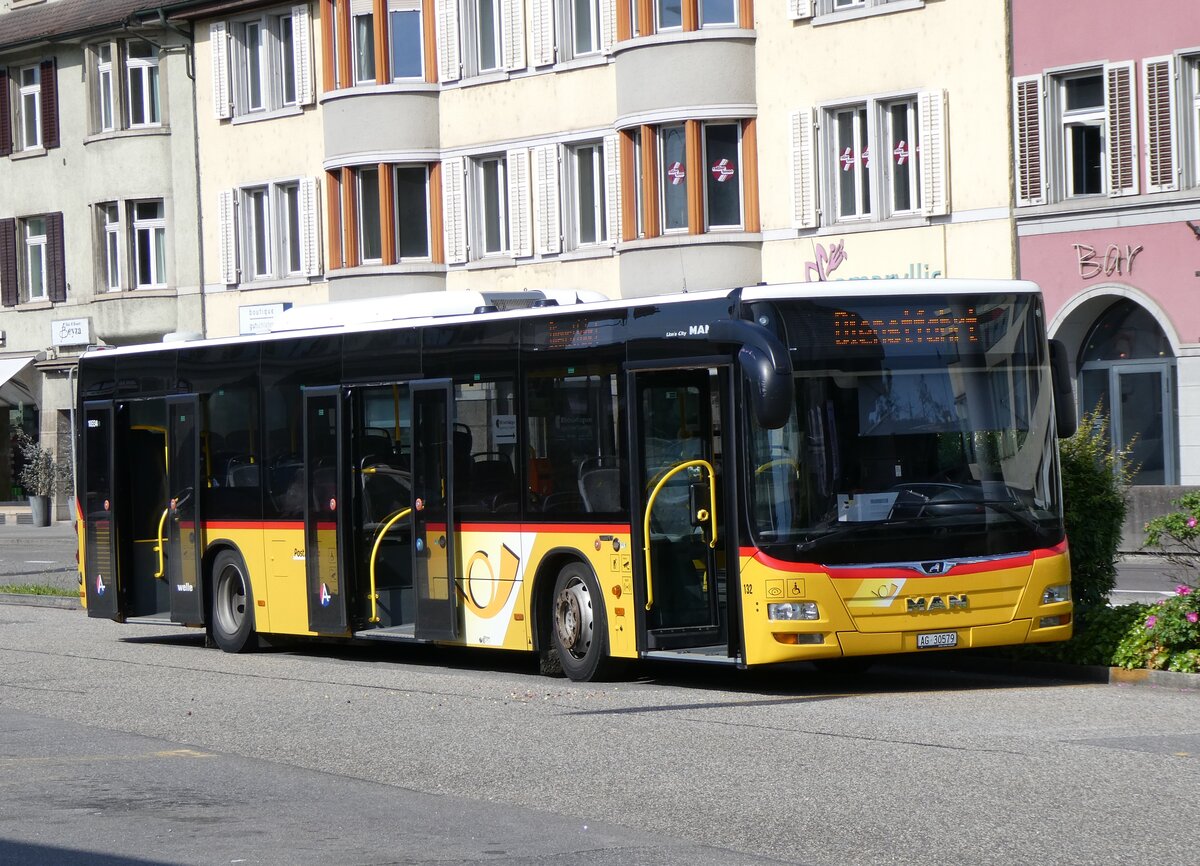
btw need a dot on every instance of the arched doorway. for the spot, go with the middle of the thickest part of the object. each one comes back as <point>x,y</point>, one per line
<point>1127,369</point>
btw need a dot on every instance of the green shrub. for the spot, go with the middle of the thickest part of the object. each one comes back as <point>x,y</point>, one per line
<point>1095,481</point>
<point>1167,637</point>
<point>1099,634</point>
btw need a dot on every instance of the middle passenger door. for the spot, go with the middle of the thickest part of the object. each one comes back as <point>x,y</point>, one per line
<point>433,510</point>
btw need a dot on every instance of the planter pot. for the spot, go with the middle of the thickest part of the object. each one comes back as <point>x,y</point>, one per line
<point>40,506</point>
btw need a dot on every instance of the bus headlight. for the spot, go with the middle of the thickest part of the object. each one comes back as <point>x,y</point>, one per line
<point>793,610</point>
<point>1055,594</point>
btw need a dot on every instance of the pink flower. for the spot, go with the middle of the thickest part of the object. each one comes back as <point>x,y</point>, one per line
<point>1151,621</point>
<point>1192,616</point>
<point>1191,523</point>
<point>1183,589</point>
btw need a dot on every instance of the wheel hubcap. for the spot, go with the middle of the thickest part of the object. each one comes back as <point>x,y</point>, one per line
<point>573,618</point>
<point>231,598</point>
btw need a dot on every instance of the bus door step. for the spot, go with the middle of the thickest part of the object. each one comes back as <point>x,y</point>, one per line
<point>713,655</point>
<point>396,632</point>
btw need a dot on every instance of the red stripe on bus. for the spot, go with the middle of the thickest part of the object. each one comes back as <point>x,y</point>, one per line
<point>868,572</point>
<point>556,528</point>
<point>211,525</point>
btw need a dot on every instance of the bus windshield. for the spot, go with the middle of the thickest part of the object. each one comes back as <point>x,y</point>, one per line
<point>923,428</point>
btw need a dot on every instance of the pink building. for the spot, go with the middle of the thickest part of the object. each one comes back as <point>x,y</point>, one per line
<point>1106,102</point>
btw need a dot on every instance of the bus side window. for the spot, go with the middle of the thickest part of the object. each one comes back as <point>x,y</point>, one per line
<point>485,446</point>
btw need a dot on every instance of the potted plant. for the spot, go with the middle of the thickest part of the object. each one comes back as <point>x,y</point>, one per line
<point>41,476</point>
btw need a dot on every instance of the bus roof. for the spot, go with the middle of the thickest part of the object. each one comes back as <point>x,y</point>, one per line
<point>434,308</point>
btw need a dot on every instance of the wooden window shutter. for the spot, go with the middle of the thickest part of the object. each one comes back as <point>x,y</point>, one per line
<point>219,39</point>
<point>449,56</point>
<point>8,262</point>
<point>6,137</point>
<point>1027,129</point>
<point>227,221</point>
<point>49,79</point>
<point>520,229</point>
<point>798,10</point>
<point>1122,129</point>
<point>548,218</point>
<point>512,29</point>
<point>310,227</point>
<point>56,265</point>
<point>541,32</point>
<point>454,202</point>
<point>614,206</point>
<point>1159,82</point>
<point>931,119</point>
<point>302,61</point>
<point>804,170</point>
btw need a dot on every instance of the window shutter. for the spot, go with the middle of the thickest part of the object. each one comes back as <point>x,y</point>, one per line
<point>449,59</point>
<point>520,230</point>
<point>56,265</point>
<point>548,218</point>
<point>612,187</point>
<point>931,119</point>
<point>800,9</point>
<point>608,25</point>
<point>310,227</point>
<point>227,218</point>
<point>804,170</point>
<point>1160,124</point>
<point>302,56</point>
<point>454,202</point>
<point>219,38</point>
<point>6,140</point>
<point>8,262</point>
<point>49,104</point>
<point>1122,129</point>
<point>541,32</point>
<point>1027,129</point>
<point>512,26</point>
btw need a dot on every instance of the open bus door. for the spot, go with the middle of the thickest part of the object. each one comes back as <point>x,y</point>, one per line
<point>323,514</point>
<point>100,501</point>
<point>183,545</point>
<point>684,527</point>
<point>433,511</point>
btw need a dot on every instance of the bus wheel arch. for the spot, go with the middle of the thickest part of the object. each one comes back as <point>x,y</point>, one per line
<point>573,621</point>
<point>230,599</point>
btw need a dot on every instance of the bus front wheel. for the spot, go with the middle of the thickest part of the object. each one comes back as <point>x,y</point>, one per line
<point>579,625</point>
<point>232,604</point>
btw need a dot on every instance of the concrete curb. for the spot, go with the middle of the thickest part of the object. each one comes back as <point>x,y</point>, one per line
<point>59,601</point>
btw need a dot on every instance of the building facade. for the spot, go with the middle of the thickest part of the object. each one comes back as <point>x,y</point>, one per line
<point>98,207</point>
<point>1106,121</point>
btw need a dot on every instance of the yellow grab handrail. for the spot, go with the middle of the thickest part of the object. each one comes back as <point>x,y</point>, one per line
<point>159,547</point>
<point>711,516</point>
<point>403,512</point>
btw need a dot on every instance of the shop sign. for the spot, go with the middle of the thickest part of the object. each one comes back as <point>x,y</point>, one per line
<point>826,261</point>
<point>71,332</point>
<point>1116,260</point>
<point>258,318</point>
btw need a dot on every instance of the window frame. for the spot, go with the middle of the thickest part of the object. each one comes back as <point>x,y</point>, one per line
<point>24,113</point>
<point>359,41</point>
<point>480,186</point>
<point>35,245</point>
<point>395,169</point>
<point>403,8</point>
<point>706,166</point>
<point>155,229</point>
<point>477,35</point>
<point>599,195</point>
<point>1066,122</point>
<point>106,104</point>
<point>571,28</point>
<point>363,212</point>
<point>109,226</point>
<point>274,57</point>
<point>147,68</point>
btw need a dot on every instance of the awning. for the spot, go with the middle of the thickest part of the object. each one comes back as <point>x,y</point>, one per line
<point>13,392</point>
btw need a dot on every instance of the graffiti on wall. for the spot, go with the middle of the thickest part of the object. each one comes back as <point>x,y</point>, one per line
<point>826,262</point>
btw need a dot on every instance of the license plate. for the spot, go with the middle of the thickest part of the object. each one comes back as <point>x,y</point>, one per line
<point>937,639</point>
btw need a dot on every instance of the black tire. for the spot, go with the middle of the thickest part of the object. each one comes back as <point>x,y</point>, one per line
<point>579,625</point>
<point>232,617</point>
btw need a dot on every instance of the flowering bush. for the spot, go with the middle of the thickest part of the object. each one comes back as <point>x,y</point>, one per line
<point>1167,637</point>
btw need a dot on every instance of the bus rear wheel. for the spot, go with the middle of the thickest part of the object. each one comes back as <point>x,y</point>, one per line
<point>232,604</point>
<point>579,625</point>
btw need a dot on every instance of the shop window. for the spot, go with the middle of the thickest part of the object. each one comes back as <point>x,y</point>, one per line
<point>1127,375</point>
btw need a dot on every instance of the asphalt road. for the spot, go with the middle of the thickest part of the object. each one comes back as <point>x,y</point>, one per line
<point>134,744</point>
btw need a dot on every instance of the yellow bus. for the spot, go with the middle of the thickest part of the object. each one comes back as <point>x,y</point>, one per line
<point>806,472</point>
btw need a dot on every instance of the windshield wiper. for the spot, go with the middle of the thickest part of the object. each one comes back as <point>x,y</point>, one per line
<point>851,529</point>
